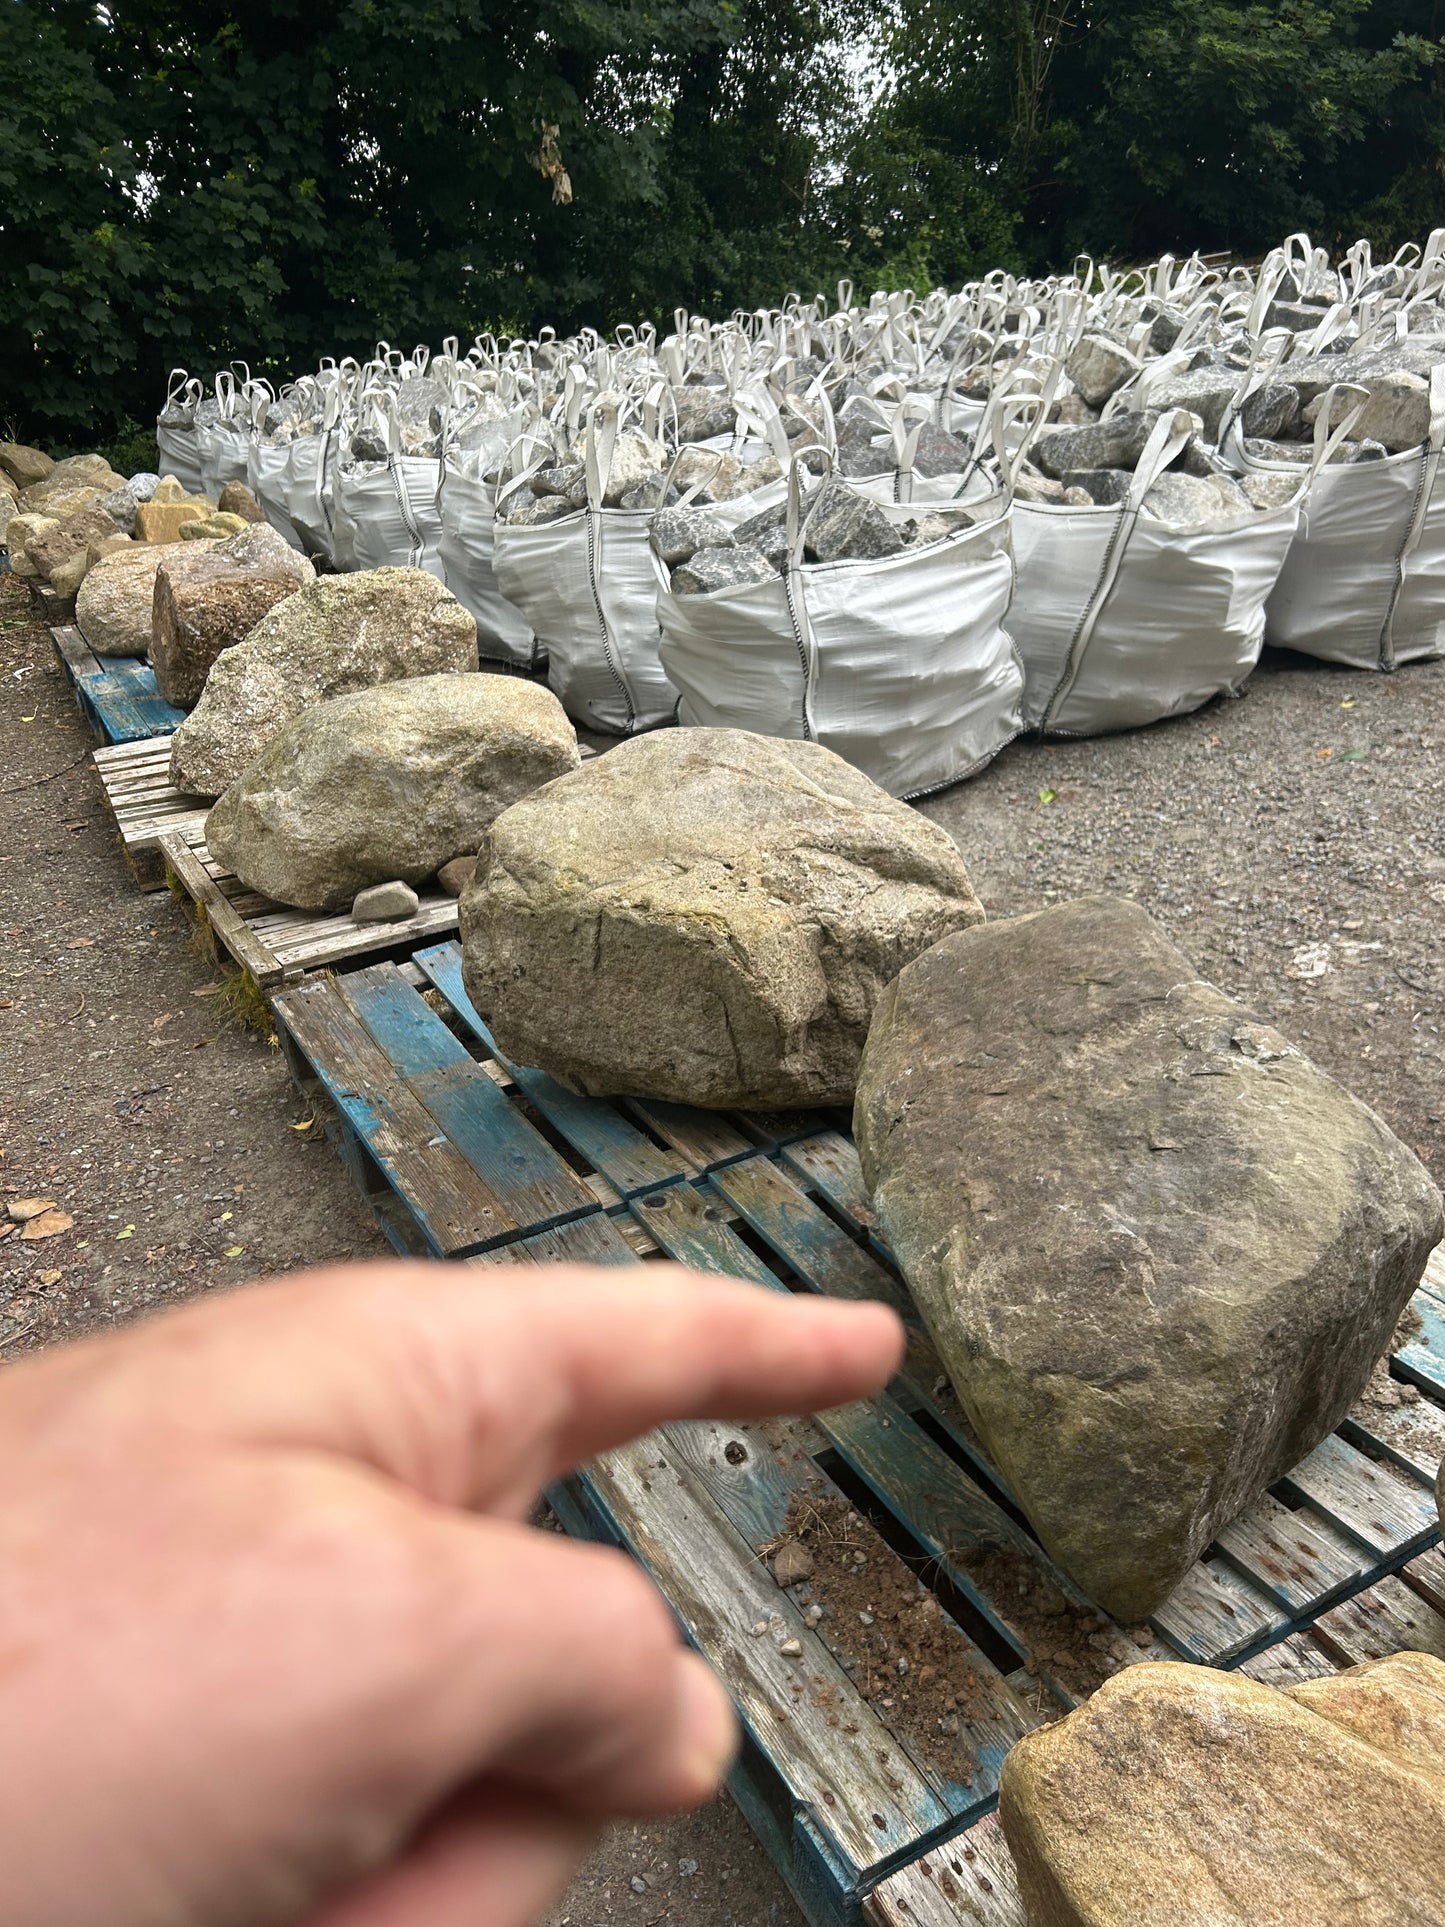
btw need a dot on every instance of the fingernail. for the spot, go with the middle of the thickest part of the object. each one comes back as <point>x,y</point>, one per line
<point>709,1730</point>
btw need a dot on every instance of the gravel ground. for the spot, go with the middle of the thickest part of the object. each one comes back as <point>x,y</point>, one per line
<point>1291,842</point>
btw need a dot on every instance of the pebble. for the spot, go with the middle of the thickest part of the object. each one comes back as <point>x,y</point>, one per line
<point>791,1649</point>
<point>687,1868</point>
<point>759,1627</point>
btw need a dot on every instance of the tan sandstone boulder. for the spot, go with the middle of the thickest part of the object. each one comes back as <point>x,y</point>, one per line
<point>209,597</point>
<point>113,607</point>
<point>1182,1797</point>
<point>704,915</point>
<point>337,635</point>
<point>388,783</point>
<point>24,466</point>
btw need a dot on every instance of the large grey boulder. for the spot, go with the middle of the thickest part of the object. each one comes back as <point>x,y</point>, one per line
<point>1158,1249</point>
<point>209,596</point>
<point>339,634</point>
<point>113,607</point>
<point>704,915</point>
<point>388,783</point>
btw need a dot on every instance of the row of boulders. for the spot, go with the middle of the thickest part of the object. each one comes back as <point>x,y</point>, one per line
<point>65,517</point>
<point>1159,1250</point>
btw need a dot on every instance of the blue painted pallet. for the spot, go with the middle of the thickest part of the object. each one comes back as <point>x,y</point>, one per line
<point>118,697</point>
<point>467,1156</point>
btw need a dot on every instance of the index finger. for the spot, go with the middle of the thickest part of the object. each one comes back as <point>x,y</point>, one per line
<point>477,1386</point>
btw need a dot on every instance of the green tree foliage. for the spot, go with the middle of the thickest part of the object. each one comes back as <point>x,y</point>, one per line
<point>274,180</point>
<point>279,179</point>
<point>1126,127</point>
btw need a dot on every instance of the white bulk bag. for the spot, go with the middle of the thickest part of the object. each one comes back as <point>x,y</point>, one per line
<point>224,444</point>
<point>587,585</point>
<point>176,447</point>
<point>1122,619</point>
<point>293,482</point>
<point>1364,581</point>
<point>901,665</point>
<point>467,549</point>
<point>384,514</point>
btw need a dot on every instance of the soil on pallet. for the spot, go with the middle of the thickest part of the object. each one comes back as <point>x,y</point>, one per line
<point>887,1628</point>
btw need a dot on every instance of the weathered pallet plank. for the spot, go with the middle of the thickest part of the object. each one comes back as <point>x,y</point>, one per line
<point>221,918</point>
<point>279,945</point>
<point>117,695</point>
<point>1381,1511</point>
<point>1390,1618</point>
<point>969,1879</point>
<point>866,1796</point>
<point>489,1131</point>
<point>456,1208</point>
<point>135,781</point>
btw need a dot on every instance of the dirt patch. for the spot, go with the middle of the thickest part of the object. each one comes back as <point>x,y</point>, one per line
<point>901,1652</point>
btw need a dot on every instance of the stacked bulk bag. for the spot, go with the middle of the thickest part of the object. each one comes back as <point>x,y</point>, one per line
<point>176,431</point>
<point>1123,618</point>
<point>900,664</point>
<point>1364,581</point>
<point>585,582</point>
<point>223,435</point>
<point>467,548</point>
<point>292,475</point>
<point>384,512</point>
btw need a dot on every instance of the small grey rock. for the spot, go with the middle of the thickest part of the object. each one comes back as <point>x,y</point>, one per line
<point>1031,486</point>
<point>385,903</point>
<point>1115,443</point>
<point>1078,498</point>
<point>1270,491</point>
<point>558,481</point>
<point>847,526</point>
<point>1272,411</point>
<point>120,505</point>
<point>939,453</point>
<point>767,532</point>
<point>143,484</point>
<point>1370,452</point>
<point>678,533</point>
<point>722,568</point>
<point>652,492</point>
<point>1098,368</point>
<point>539,509</point>
<point>1106,486</point>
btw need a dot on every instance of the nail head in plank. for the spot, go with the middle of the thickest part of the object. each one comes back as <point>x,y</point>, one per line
<point>691,1228</point>
<point>967,1881</point>
<point>456,1207</point>
<point>872,1807</point>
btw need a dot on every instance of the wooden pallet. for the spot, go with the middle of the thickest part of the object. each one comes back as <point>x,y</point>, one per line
<point>136,781</point>
<point>117,696</point>
<point>466,1156</point>
<point>273,944</point>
